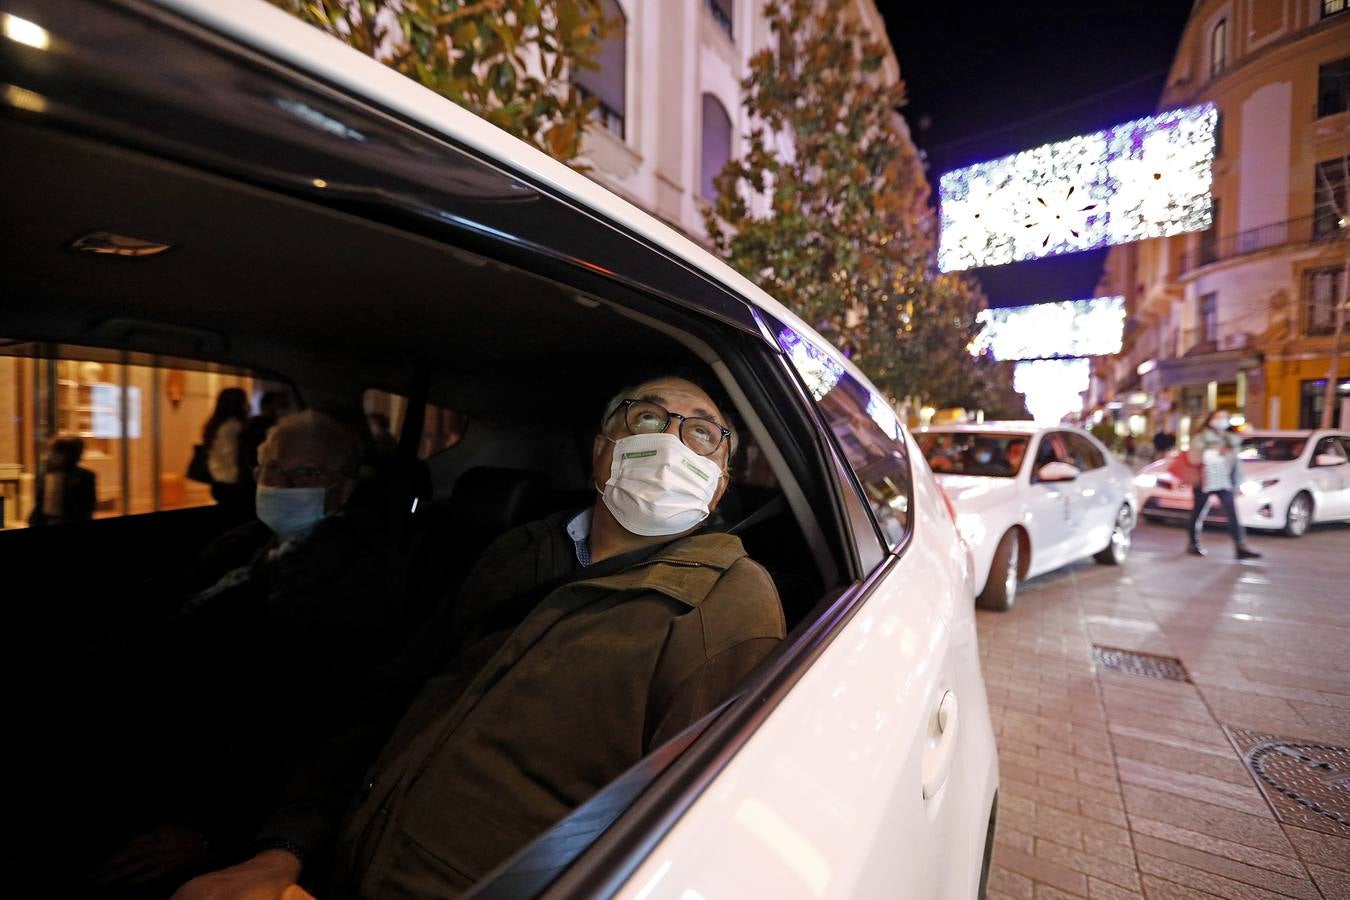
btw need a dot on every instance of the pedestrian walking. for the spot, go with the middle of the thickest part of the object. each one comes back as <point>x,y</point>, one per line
<point>1214,450</point>
<point>230,486</point>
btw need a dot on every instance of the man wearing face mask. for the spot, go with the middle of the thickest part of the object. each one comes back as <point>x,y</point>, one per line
<point>579,643</point>
<point>298,608</point>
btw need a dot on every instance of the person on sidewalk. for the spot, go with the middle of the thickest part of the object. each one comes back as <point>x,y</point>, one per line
<point>1214,449</point>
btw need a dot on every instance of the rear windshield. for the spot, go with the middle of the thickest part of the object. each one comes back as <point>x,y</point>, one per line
<point>1271,449</point>
<point>958,453</point>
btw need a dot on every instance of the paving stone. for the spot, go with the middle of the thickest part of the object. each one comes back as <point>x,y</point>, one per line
<point>1323,849</point>
<point>1042,870</point>
<point>1332,882</point>
<point>1293,886</point>
<point>1135,779</point>
<point>1286,863</point>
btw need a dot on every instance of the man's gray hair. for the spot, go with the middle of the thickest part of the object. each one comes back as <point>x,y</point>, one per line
<point>630,393</point>
<point>342,446</point>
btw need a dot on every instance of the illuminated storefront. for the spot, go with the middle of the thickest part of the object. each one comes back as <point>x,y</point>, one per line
<point>139,417</point>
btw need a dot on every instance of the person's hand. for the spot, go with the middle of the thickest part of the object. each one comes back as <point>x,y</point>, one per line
<point>271,875</point>
<point>156,854</point>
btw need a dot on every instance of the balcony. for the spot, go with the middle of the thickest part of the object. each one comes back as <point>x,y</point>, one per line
<point>1303,230</point>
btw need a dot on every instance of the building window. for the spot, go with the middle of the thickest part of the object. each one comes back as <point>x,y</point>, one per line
<point>1321,293</point>
<point>1331,7</point>
<point>608,83</point>
<point>1218,48</point>
<point>1333,88</point>
<point>1209,317</point>
<point>1329,201</point>
<point>721,11</point>
<point>1209,238</point>
<point>716,145</point>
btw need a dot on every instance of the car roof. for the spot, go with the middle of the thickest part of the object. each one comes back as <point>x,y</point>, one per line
<point>264,27</point>
<point>1291,433</point>
<point>1009,427</point>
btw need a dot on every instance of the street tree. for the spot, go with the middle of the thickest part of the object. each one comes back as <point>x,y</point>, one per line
<point>509,62</point>
<point>844,234</point>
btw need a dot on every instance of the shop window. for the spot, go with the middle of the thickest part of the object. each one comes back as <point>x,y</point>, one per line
<point>1332,7</point>
<point>1329,198</point>
<point>1218,48</point>
<point>716,145</point>
<point>1333,88</point>
<point>134,420</point>
<point>607,83</point>
<point>1321,292</point>
<point>442,428</point>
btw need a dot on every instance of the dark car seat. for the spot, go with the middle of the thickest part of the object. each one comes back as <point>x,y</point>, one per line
<point>485,503</point>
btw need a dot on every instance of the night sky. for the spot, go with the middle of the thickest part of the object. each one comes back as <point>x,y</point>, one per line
<point>988,79</point>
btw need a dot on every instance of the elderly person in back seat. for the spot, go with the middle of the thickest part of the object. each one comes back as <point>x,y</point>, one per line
<point>289,615</point>
<point>630,623</point>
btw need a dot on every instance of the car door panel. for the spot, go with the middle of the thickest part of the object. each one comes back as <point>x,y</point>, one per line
<point>1331,484</point>
<point>826,798</point>
<point>1049,510</point>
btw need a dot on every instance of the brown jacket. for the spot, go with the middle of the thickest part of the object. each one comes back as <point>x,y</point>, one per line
<point>602,670</point>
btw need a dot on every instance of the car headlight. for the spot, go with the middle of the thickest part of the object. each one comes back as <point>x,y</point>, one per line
<point>1252,488</point>
<point>1145,481</point>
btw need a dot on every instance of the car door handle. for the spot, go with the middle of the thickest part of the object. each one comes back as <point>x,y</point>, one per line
<point>941,747</point>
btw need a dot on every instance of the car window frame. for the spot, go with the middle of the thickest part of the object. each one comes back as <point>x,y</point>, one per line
<point>1330,440</point>
<point>618,849</point>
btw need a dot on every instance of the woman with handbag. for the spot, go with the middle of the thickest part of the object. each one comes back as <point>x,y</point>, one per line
<point>1214,456</point>
<point>230,485</point>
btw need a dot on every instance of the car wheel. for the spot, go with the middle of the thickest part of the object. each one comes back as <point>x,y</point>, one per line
<point>1000,590</point>
<point>1115,553</point>
<point>1299,516</point>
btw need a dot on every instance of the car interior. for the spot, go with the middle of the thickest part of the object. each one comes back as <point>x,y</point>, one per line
<point>335,306</point>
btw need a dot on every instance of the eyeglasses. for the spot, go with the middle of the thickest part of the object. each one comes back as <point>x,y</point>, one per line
<point>701,435</point>
<point>299,476</point>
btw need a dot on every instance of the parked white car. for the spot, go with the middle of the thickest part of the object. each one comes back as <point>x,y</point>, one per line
<point>1030,499</point>
<point>253,196</point>
<point>1290,479</point>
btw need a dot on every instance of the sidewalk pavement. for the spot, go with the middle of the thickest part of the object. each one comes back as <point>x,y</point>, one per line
<point>1117,785</point>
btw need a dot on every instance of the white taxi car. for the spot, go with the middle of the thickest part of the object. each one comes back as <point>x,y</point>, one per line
<point>199,191</point>
<point>1030,499</point>
<point>1290,480</point>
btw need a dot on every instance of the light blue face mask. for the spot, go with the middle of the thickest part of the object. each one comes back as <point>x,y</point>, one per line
<point>290,512</point>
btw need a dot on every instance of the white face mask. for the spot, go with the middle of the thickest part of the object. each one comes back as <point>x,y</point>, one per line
<point>290,512</point>
<point>1219,423</point>
<point>658,486</point>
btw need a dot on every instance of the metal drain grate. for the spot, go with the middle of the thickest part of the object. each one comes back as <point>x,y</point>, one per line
<point>1132,662</point>
<point>1307,783</point>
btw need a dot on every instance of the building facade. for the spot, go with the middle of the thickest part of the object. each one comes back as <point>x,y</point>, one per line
<point>1242,315</point>
<point>670,114</point>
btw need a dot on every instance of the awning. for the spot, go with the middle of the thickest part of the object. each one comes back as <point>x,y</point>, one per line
<point>1204,368</point>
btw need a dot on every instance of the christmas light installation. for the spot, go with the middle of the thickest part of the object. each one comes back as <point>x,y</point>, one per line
<point>1142,179</point>
<point>1069,328</point>
<point>1053,387</point>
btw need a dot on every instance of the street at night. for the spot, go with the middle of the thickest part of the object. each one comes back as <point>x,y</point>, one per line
<point>675,449</point>
<point>1118,782</point>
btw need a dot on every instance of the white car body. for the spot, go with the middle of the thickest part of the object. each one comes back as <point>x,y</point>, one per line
<point>1269,488</point>
<point>862,778</point>
<point>1057,522</point>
